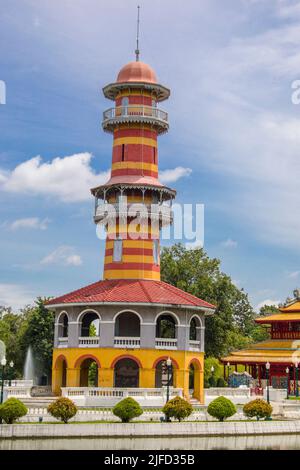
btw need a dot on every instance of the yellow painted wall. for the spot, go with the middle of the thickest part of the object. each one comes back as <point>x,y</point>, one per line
<point>146,357</point>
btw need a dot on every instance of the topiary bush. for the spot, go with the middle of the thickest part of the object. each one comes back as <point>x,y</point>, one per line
<point>177,408</point>
<point>127,409</point>
<point>221,382</point>
<point>63,409</point>
<point>257,409</point>
<point>11,410</point>
<point>221,408</point>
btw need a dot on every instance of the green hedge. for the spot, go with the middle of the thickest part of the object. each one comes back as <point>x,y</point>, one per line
<point>11,410</point>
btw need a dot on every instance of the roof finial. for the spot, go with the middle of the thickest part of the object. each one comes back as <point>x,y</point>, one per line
<point>137,51</point>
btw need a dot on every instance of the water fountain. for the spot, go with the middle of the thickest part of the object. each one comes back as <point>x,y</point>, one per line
<point>28,373</point>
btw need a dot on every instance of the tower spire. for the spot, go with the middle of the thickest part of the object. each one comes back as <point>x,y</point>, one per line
<point>137,51</point>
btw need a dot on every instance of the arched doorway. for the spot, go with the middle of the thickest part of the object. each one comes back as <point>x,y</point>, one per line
<point>191,379</point>
<point>161,375</point>
<point>88,373</point>
<point>59,379</point>
<point>126,373</point>
<point>195,379</point>
<point>128,325</point>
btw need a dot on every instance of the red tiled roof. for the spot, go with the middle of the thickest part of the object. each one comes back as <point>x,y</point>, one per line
<point>131,291</point>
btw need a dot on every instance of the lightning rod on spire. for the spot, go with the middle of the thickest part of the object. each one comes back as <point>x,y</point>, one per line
<point>137,51</point>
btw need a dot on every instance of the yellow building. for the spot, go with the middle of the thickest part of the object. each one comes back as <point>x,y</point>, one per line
<point>119,332</point>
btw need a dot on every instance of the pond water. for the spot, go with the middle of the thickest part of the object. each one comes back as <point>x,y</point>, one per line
<point>277,442</point>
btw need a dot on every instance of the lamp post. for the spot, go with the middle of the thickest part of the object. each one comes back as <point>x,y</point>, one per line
<point>297,375</point>
<point>287,370</point>
<point>267,377</point>
<point>11,365</point>
<point>3,364</point>
<point>228,371</point>
<point>169,370</point>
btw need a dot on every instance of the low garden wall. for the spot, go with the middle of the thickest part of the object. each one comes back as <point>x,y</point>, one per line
<point>134,430</point>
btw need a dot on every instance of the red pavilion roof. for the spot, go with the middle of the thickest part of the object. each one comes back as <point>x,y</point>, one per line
<point>131,291</point>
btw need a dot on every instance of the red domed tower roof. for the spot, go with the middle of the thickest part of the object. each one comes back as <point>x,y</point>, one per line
<point>136,72</point>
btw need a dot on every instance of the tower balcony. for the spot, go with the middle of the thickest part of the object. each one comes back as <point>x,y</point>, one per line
<point>135,114</point>
<point>161,213</point>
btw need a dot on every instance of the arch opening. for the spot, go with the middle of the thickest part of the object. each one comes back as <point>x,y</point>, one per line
<point>165,326</point>
<point>128,324</point>
<point>90,325</point>
<point>63,326</point>
<point>162,377</point>
<point>88,373</point>
<point>126,373</point>
<point>194,332</point>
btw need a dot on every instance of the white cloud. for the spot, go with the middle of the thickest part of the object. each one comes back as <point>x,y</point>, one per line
<point>170,176</point>
<point>63,255</point>
<point>195,244</point>
<point>29,223</point>
<point>267,302</point>
<point>15,296</point>
<point>229,243</point>
<point>69,178</point>
<point>293,274</point>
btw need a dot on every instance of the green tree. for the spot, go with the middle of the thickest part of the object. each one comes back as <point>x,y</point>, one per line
<point>268,310</point>
<point>39,334</point>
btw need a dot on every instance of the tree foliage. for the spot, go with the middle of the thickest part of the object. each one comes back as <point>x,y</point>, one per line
<point>221,408</point>
<point>177,408</point>
<point>257,408</point>
<point>33,326</point>
<point>127,409</point>
<point>63,409</point>
<point>11,410</point>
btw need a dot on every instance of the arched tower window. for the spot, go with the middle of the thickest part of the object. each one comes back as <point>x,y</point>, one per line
<point>125,104</point>
<point>165,327</point>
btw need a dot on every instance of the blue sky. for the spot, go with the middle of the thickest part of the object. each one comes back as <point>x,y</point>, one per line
<point>230,66</point>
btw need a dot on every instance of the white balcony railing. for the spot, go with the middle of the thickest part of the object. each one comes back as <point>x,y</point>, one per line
<point>63,342</point>
<point>135,111</point>
<point>166,343</point>
<point>194,345</point>
<point>155,212</point>
<point>89,341</point>
<point>127,342</point>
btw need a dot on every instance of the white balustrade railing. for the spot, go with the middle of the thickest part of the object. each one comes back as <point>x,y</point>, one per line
<point>158,211</point>
<point>132,111</point>
<point>94,396</point>
<point>194,345</point>
<point>166,343</point>
<point>63,342</point>
<point>88,341</point>
<point>127,342</point>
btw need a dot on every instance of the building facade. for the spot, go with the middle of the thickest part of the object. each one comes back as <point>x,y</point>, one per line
<point>277,359</point>
<point>118,332</point>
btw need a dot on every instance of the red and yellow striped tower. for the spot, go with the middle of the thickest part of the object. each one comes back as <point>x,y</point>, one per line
<point>132,249</point>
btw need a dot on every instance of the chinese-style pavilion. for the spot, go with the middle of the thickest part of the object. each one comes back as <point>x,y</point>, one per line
<point>281,351</point>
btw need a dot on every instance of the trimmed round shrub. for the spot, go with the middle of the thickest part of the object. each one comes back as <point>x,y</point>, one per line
<point>63,409</point>
<point>127,409</point>
<point>221,408</point>
<point>257,409</point>
<point>221,382</point>
<point>11,410</point>
<point>177,408</point>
